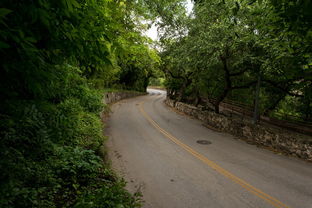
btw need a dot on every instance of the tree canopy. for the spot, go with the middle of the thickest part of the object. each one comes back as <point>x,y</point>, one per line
<point>229,45</point>
<point>57,57</point>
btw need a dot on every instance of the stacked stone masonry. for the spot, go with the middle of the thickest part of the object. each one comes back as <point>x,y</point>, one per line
<point>112,97</point>
<point>279,139</point>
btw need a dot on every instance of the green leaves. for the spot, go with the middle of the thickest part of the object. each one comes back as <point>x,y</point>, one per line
<point>4,45</point>
<point>75,3</point>
<point>236,8</point>
<point>71,4</point>
<point>4,12</point>
<point>228,43</point>
<point>53,54</point>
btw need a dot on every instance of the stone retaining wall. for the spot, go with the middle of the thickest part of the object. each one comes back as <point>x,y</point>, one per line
<point>111,97</point>
<point>277,138</point>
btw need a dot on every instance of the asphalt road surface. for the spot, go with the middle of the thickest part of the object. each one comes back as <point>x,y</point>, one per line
<point>157,151</point>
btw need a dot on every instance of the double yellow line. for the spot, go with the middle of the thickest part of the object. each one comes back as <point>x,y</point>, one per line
<point>271,200</point>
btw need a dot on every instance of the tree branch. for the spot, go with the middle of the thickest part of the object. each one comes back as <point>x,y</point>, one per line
<point>244,86</point>
<point>238,73</point>
<point>276,85</point>
<point>174,76</point>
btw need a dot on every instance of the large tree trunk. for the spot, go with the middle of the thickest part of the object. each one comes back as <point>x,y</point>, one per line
<point>181,93</point>
<point>227,87</point>
<point>220,99</point>
<point>197,100</point>
<point>217,108</point>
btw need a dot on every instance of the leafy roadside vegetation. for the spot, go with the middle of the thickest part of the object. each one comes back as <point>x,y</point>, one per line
<point>49,152</point>
<point>254,52</point>
<point>157,82</point>
<point>56,59</point>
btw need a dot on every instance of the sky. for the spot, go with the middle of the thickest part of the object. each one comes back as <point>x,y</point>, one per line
<point>152,32</point>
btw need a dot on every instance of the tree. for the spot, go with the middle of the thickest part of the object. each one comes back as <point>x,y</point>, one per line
<point>55,56</point>
<point>226,44</point>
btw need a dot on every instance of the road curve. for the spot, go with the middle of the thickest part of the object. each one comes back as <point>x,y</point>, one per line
<point>157,151</point>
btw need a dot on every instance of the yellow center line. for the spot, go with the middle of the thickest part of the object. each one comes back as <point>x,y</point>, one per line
<point>271,200</point>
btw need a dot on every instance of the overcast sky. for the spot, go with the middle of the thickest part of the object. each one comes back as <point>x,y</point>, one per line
<point>152,32</point>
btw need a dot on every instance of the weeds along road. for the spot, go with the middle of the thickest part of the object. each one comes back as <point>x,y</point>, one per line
<point>157,151</point>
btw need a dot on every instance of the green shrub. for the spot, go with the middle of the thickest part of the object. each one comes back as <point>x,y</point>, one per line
<point>111,195</point>
<point>50,127</point>
<point>90,131</point>
<point>48,154</point>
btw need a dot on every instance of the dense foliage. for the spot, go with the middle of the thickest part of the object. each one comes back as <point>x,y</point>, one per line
<point>229,49</point>
<point>56,57</point>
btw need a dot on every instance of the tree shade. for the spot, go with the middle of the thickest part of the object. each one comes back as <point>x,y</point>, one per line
<point>230,44</point>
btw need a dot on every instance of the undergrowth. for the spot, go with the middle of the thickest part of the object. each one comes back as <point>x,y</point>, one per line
<point>49,151</point>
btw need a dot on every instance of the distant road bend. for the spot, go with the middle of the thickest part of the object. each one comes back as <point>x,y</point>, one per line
<point>176,162</point>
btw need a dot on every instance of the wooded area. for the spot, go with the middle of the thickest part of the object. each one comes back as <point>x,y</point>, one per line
<point>257,53</point>
<point>57,58</point>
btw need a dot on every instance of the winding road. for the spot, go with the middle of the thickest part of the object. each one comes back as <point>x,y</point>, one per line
<point>176,162</point>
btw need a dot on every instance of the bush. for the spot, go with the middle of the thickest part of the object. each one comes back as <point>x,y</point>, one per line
<point>48,153</point>
<point>111,195</point>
